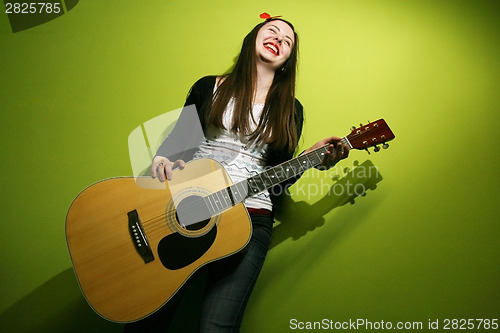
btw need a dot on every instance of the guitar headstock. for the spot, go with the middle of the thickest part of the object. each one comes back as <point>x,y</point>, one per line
<point>371,135</point>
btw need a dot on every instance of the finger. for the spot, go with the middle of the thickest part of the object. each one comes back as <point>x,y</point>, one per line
<point>179,163</point>
<point>161,170</point>
<point>329,157</point>
<point>335,156</point>
<point>168,171</point>
<point>331,149</point>
<point>333,140</point>
<point>346,151</point>
<point>340,152</point>
<point>154,167</point>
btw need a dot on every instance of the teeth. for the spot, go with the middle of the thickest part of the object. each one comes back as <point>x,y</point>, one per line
<point>272,47</point>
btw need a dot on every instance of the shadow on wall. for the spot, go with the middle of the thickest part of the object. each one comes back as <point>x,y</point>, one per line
<point>56,306</point>
<point>302,217</point>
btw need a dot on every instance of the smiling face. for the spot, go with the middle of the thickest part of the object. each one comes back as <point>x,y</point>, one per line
<point>274,43</point>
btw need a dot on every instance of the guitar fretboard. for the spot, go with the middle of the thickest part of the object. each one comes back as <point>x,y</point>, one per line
<point>226,198</point>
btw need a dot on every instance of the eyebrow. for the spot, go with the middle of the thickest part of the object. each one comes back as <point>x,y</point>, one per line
<point>286,36</point>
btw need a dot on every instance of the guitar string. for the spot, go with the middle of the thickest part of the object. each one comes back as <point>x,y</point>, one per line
<point>152,222</point>
<point>156,222</point>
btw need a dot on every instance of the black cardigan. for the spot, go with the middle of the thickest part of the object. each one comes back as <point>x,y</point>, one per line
<point>188,132</point>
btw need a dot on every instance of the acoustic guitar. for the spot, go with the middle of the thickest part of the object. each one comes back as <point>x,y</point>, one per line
<point>135,241</point>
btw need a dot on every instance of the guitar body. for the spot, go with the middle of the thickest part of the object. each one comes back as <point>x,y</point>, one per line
<point>120,280</point>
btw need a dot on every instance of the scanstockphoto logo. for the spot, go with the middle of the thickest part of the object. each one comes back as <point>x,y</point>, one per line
<point>26,14</point>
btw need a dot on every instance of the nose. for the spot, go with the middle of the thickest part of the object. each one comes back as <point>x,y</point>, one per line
<point>279,38</point>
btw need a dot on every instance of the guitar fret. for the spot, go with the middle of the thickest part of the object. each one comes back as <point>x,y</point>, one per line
<point>262,181</point>
<point>242,191</point>
<point>319,157</point>
<point>219,200</point>
<point>231,196</point>
<point>303,163</point>
<point>300,164</point>
<point>274,179</point>
<point>254,185</point>
<point>236,193</point>
<point>216,201</point>
<point>267,179</point>
<point>211,207</point>
<point>225,196</point>
<point>346,141</point>
<point>309,161</point>
<point>279,172</point>
<point>288,170</point>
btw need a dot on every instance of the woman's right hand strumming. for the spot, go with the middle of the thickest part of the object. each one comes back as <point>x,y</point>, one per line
<point>162,167</point>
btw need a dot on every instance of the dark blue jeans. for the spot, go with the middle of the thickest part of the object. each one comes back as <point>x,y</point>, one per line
<point>229,284</point>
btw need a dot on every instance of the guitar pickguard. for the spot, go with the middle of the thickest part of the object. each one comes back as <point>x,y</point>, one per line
<point>177,251</point>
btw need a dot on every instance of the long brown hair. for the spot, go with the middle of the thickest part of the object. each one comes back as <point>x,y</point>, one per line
<point>277,126</point>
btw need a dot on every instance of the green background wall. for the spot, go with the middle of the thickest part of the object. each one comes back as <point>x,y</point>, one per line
<point>422,244</point>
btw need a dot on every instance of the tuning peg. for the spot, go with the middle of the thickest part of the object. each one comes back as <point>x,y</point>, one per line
<point>385,145</point>
<point>365,143</point>
<point>353,128</point>
<point>376,148</point>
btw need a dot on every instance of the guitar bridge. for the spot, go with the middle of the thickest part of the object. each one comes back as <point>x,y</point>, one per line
<point>139,237</point>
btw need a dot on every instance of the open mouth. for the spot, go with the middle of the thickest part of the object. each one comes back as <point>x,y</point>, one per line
<point>272,48</point>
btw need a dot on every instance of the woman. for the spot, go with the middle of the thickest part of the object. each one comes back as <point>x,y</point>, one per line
<point>250,119</point>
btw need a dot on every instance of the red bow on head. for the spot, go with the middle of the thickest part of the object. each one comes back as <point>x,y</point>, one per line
<point>266,16</point>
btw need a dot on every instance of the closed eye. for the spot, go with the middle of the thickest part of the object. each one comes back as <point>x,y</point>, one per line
<point>287,39</point>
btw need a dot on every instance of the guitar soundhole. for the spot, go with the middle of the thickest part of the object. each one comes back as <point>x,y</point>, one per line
<point>192,213</point>
<point>195,233</point>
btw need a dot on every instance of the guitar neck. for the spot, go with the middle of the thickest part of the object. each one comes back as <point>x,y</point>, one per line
<point>287,170</point>
<point>226,198</point>
<point>363,137</point>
